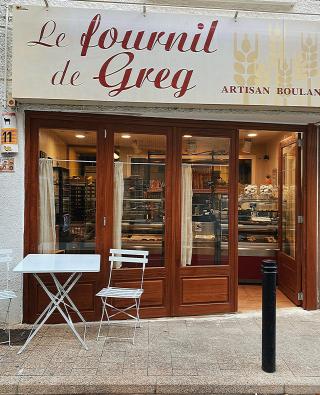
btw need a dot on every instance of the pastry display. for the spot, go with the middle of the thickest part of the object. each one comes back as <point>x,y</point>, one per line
<point>205,237</point>
<point>250,190</point>
<point>266,190</point>
<point>258,219</point>
<point>261,219</point>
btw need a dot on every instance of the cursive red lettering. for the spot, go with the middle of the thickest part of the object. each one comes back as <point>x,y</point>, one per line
<point>47,31</point>
<point>122,78</point>
<point>103,74</point>
<point>125,42</point>
<point>74,77</point>
<point>59,40</point>
<point>59,76</point>
<point>172,39</point>
<point>154,39</point>
<point>209,38</point>
<point>161,76</point>
<point>195,40</point>
<point>142,76</point>
<point>86,37</point>
<point>185,83</point>
<point>113,33</point>
<point>138,40</point>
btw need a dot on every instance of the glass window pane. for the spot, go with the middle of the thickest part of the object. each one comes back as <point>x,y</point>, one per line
<point>67,203</point>
<point>289,200</point>
<point>139,194</point>
<point>204,196</point>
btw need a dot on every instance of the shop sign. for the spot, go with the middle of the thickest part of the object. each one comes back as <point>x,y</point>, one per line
<point>6,165</point>
<point>70,54</point>
<point>9,135</point>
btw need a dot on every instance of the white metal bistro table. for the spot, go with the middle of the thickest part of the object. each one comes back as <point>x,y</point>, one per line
<point>75,265</point>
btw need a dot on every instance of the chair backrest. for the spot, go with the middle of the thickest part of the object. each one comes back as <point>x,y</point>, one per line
<point>136,257</point>
<point>6,258</point>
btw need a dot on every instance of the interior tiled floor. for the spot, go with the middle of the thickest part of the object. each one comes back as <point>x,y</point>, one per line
<point>249,298</point>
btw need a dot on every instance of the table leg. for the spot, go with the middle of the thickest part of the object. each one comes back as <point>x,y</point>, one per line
<point>53,305</point>
<point>66,318</point>
<point>72,305</point>
<point>62,289</point>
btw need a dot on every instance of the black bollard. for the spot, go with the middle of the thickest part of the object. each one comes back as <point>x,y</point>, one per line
<point>269,282</point>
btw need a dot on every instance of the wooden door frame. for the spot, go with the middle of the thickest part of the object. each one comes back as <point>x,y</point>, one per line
<point>151,272</point>
<point>35,119</point>
<point>310,212</point>
<point>31,221</point>
<point>230,270</point>
<point>287,142</point>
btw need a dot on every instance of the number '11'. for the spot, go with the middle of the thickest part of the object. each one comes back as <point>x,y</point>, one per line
<point>7,137</point>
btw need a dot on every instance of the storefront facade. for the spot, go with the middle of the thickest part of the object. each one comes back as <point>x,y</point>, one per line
<point>184,141</point>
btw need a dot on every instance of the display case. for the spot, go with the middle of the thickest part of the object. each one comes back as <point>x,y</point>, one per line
<point>143,217</point>
<point>257,235</point>
<point>62,200</point>
<point>75,205</point>
<point>210,211</point>
<point>209,226</point>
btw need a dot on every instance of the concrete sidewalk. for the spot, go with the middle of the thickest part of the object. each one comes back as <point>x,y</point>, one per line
<point>217,354</point>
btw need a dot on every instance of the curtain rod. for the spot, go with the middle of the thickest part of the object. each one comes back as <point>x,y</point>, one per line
<point>142,163</point>
<point>69,160</point>
<point>196,7</point>
<point>133,163</point>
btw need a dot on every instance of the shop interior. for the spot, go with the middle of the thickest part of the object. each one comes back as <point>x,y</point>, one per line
<point>69,159</point>
<point>258,211</point>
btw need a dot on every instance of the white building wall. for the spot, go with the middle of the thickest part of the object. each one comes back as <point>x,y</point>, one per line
<point>12,185</point>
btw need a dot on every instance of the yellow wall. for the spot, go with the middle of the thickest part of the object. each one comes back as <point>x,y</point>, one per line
<point>73,166</point>
<point>271,148</point>
<point>53,146</point>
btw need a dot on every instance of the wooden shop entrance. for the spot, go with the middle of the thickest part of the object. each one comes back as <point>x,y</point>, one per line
<point>270,214</point>
<point>168,186</point>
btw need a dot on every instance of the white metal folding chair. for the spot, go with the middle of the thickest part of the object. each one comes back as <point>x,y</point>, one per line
<point>118,256</point>
<point>7,294</point>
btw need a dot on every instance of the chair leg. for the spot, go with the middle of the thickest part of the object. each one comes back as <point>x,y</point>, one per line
<point>138,312</point>
<point>137,323</point>
<point>8,322</point>
<point>104,312</point>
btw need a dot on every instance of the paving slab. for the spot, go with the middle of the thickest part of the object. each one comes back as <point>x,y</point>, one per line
<point>219,354</point>
<point>9,384</point>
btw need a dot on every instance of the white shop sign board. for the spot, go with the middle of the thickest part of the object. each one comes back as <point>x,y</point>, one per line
<point>164,58</point>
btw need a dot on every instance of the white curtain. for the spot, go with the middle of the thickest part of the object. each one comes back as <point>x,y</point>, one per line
<point>186,215</point>
<point>47,231</point>
<point>118,206</point>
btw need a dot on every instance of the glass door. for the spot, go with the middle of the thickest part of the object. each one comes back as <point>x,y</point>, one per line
<point>140,215</point>
<point>289,278</point>
<point>67,191</point>
<point>63,219</point>
<point>206,263</point>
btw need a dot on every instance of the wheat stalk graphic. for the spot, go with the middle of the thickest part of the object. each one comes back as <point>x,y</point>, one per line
<point>275,47</point>
<point>245,65</point>
<point>285,76</point>
<point>310,60</point>
<point>306,63</point>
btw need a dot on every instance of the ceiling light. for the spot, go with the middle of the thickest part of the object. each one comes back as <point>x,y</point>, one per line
<point>252,135</point>
<point>115,156</point>
<point>80,136</point>
<point>187,136</point>
<point>126,136</point>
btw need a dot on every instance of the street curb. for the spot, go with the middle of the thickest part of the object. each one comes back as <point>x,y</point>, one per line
<point>236,384</point>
